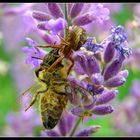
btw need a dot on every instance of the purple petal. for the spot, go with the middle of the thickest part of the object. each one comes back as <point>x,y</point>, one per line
<point>102,110</point>
<point>26,49</point>
<point>35,63</point>
<point>41,16</point>
<point>88,131</point>
<point>106,97</point>
<point>54,25</point>
<point>28,60</point>
<point>76,9</point>
<point>112,69</point>
<point>31,42</point>
<point>55,10</point>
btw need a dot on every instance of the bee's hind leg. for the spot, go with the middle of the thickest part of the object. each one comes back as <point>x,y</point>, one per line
<point>35,98</point>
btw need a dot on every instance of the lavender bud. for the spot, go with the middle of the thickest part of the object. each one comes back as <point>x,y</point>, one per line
<point>83,19</point>
<point>97,79</point>
<point>106,97</point>
<point>115,81</point>
<point>89,131</point>
<point>62,126</point>
<point>78,111</point>
<point>76,9</point>
<point>55,10</point>
<point>41,16</point>
<point>109,52</point>
<point>112,69</point>
<point>92,65</point>
<point>102,110</point>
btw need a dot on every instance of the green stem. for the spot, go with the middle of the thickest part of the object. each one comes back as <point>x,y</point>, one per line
<point>75,127</point>
<point>66,17</point>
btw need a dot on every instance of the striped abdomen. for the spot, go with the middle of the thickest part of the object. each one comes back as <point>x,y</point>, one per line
<point>51,108</point>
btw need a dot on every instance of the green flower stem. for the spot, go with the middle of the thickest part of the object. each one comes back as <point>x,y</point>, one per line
<point>75,127</point>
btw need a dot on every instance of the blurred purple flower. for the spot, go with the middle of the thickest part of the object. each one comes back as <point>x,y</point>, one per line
<point>127,120</point>
<point>22,123</point>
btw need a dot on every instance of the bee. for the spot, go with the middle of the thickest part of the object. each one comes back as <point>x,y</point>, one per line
<point>75,37</point>
<point>53,88</point>
<point>52,94</point>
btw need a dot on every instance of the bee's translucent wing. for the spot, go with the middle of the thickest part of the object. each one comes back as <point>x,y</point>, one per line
<point>78,94</point>
<point>25,97</point>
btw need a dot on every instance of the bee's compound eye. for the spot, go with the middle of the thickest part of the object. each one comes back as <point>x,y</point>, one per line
<point>68,89</point>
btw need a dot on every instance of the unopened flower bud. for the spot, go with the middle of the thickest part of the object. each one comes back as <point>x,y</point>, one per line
<point>55,10</point>
<point>41,16</point>
<point>106,97</point>
<point>109,52</point>
<point>89,131</point>
<point>102,110</point>
<point>112,69</point>
<point>83,19</point>
<point>76,9</point>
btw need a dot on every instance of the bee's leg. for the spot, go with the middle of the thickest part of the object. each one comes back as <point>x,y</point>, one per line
<point>70,67</point>
<point>50,46</point>
<point>55,63</point>
<point>35,98</point>
<point>37,57</point>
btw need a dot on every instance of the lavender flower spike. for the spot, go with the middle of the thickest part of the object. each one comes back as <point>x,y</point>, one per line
<point>76,9</point>
<point>55,10</point>
<point>102,110</point>
<point>89,131</point>
<point>106,97</point>
<point>112,69</point>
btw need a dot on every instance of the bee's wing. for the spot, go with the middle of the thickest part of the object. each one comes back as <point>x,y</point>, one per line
<point>78,88</point>
<point>78,94</point>
<point>25,97</point>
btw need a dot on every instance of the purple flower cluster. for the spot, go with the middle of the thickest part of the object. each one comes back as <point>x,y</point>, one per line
<point>98,69</point>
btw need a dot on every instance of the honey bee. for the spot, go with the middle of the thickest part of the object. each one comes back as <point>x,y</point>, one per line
<point>75,37</point>
<point>52,94</point>
<point>53,86</point>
